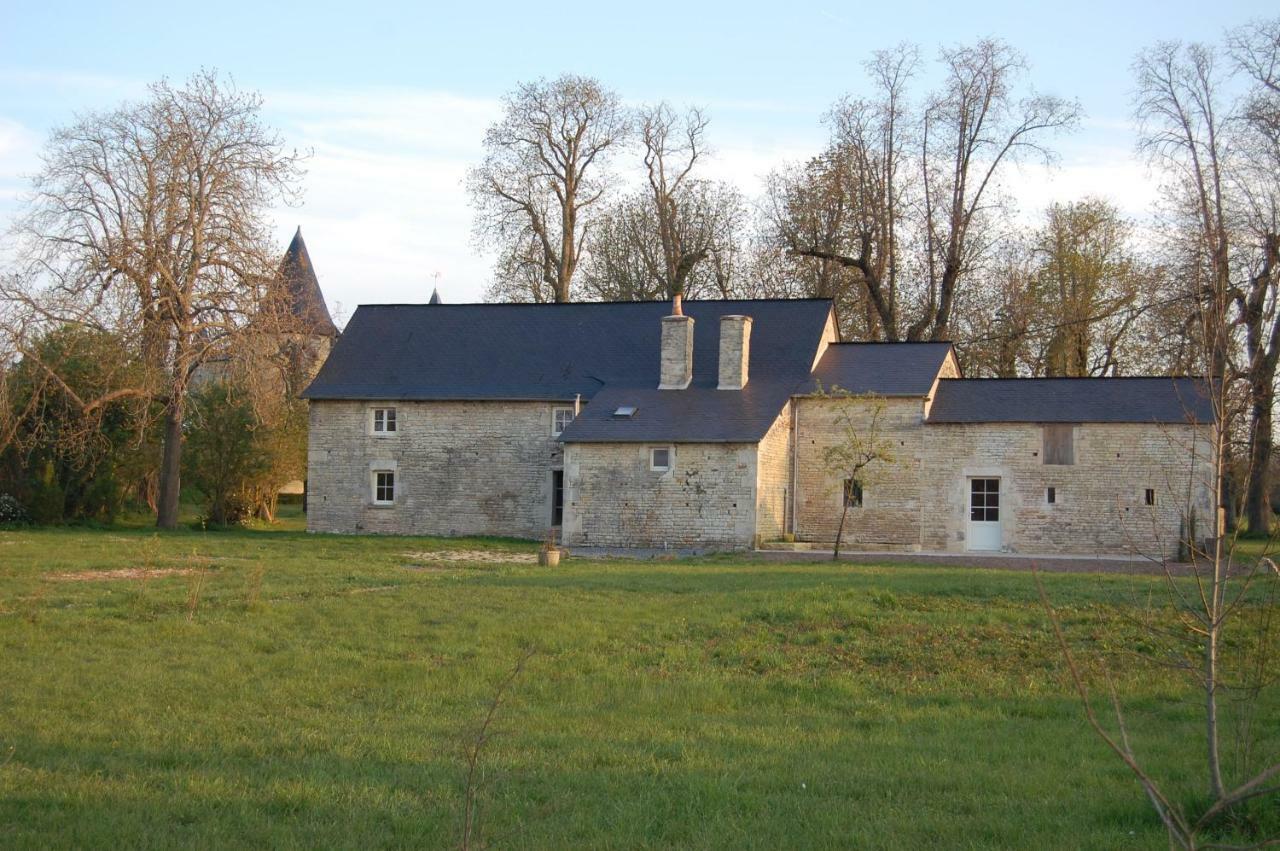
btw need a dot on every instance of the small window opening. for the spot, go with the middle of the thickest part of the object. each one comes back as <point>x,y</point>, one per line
<point>384,420</point>
<point>1051,496</point>
<point>1150,496</point>
<point>560,419</point>
<point>660,459</point>
<point>1059,443</point>
<point>853,493</point>
<point>384,487</point>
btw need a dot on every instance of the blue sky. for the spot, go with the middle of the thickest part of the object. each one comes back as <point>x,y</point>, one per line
<point>394,98</point>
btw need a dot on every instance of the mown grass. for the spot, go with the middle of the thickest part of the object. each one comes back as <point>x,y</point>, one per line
<point>319,691</point>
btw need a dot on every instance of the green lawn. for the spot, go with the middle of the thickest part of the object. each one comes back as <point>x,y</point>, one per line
<point>301,691</point>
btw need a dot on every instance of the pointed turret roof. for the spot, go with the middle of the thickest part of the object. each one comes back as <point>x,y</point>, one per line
<point>306,302</point>
<point>435,296</point>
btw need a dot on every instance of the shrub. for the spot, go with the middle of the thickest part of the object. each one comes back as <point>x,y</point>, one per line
<point>11,511</point>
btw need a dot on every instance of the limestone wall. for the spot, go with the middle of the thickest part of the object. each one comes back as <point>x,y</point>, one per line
<point>462,468</point>
<point>706,499</point>
<point>890,515</point>
<point>921,501</point>
<point>1099,505</point>
<point>773,478</point>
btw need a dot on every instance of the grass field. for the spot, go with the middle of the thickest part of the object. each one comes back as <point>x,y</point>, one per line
<point>303,691</point>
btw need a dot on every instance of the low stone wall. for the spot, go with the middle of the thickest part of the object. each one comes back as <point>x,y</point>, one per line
<point>706,499</point>
<point>462,468</point>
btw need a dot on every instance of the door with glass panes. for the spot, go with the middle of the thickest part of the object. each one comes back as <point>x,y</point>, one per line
<point>984,514</point>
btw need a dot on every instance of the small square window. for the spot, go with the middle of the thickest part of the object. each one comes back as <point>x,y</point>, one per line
<point>853,493</point>
<point>560,419</point>
<point>1150,496</point>
<point>1051,496</point>
<point>384,420</point>
<point>384,487</point>
<point>660,459</point>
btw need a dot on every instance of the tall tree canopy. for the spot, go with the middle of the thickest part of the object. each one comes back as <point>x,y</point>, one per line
<point>543,176</point>
<point>148,221</point>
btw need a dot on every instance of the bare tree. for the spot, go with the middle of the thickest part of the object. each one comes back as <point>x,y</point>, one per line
<point>542,174</point>
<point>906,188</point>
<point>1222,184</point>
<point>149,220</point>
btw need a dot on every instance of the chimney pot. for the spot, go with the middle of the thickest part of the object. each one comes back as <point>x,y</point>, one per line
<point>735,351</point>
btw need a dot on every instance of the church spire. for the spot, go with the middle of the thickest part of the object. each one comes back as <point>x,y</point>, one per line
<point>306,301</point>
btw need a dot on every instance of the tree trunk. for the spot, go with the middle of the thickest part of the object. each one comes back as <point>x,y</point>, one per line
<point>170,465</point>
<point>1257,494</point>
<point>844,512</point>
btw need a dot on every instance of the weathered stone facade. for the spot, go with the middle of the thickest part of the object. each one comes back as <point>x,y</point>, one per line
<point>890,515</point>
<point>462,468</point>
<point>1100,500</point>
<point>921,500</point>
<point>773,478</point>
<point>613,497</point>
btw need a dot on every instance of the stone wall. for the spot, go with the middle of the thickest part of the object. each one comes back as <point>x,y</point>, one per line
<point>921,501</point>
<point>1099,503</point>
<point>773,478</point>
<point>462,468</point>
<point>890,514</point>
<point>706,499</point>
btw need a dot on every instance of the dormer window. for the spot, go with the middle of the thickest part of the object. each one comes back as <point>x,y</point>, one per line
<point>384,421</point>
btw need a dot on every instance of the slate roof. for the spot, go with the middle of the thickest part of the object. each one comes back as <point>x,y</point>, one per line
<point>306,301</point>
<point>886,369</point>
<point>1071,400</point>
<point>607,352</point>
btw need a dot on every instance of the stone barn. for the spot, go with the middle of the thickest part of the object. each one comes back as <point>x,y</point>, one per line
<point>707,424</point>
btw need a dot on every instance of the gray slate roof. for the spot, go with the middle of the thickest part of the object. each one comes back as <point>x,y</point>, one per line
<point>1071,400</point>
<point>306,301</point>
<point>886,369</point>
<point>607,352</point>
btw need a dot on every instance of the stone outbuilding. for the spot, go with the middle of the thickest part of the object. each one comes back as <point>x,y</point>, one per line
<point>710,424</point>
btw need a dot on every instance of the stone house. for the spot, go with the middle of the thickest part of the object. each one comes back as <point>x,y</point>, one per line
<point>707,425</point>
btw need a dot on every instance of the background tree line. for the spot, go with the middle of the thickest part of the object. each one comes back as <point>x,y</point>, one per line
<point>905,220</point>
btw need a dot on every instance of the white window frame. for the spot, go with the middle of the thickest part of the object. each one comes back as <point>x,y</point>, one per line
<point>653,466</point>
<point>373,421</point>
<point>373,485</point>
<point>557,410</point>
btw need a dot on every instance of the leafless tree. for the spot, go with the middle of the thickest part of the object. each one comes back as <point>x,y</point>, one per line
<point>903,189</point>
<point>149,221</point>
<point>542,176</point>
<point>1217,154</point>
<point>860,455</point>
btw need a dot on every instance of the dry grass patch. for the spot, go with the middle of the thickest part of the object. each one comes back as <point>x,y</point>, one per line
<point>120,574</point>
<point>474,556</point>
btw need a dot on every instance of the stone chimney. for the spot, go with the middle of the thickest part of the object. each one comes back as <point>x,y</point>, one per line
<point>735,351</point>
<point>677,349</point>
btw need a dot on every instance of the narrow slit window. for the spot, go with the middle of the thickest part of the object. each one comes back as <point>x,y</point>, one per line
<point>384,487</point>
<point>853,493</point>
<point>1051,496</point>
<point>1149,497</point>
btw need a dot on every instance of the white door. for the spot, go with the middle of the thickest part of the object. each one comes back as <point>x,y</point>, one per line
<point>984,514</point>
